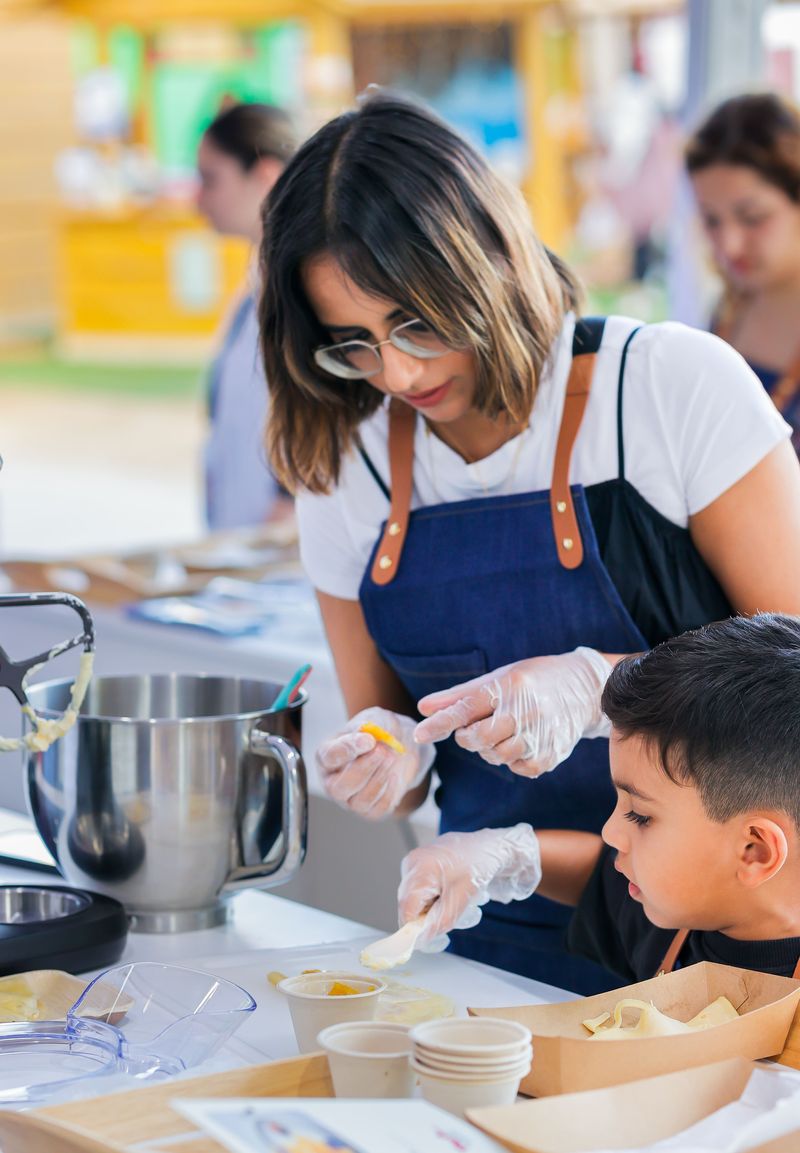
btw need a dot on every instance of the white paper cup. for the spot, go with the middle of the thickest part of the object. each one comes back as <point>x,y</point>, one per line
<point>368,1059</point>
<point>312,1009</point>
<point>456,1096</point>
<point>472,1036</point>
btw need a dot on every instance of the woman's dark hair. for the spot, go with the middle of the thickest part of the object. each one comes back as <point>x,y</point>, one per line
<point>412,213</point>
<point>759,131</point>
<point>720,707</point>
<point>250,132</point>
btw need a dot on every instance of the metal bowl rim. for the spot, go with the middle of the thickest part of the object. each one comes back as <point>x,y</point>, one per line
<point>253,714</point>
<point>82,900</point>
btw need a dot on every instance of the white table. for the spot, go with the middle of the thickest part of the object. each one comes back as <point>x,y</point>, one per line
<point>266,933</point>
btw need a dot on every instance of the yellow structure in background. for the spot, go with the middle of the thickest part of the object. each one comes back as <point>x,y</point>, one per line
<point>36,124</point>
<point>126,276</point>
<point>128,283</point>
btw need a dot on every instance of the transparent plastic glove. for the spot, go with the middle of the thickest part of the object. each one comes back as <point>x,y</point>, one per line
<point>458,872</point>
<point>529,715</point>
<point>364,774</point>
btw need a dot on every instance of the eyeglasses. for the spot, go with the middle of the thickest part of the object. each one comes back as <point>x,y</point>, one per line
<point>358,360</point>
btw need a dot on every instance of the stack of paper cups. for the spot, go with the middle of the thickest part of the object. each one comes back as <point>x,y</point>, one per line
<point>462,1064</point>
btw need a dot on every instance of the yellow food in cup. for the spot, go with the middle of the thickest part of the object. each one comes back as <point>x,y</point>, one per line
<point>339,989</point>
<point>382,735</point>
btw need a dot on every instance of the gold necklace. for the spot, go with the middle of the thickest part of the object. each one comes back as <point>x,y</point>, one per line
<point>474,464</point>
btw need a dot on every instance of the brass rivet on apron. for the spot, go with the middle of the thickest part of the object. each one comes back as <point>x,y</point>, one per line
<point>386,561</point>
<point>561,506</point>
<point>567,542</point>
<point>394,529</point>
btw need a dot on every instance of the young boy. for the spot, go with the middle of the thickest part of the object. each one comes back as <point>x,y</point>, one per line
<point>705,836</point>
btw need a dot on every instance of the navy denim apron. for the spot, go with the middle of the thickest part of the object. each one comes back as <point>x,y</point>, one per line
<point>480,585</point>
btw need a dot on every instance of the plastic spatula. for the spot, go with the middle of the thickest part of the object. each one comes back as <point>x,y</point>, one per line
<point>395,950</point>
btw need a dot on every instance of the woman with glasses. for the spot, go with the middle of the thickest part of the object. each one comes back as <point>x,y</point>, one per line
<point>488,516</point>
<point>744,162</point>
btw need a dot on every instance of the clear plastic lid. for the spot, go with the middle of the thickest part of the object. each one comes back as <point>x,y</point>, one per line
<point>143,1019</point>
<point>41,1058</point>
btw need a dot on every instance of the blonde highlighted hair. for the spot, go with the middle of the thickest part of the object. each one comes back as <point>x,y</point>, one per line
<point>412,214</point>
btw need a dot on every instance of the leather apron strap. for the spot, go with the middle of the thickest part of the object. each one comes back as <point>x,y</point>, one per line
<point>787,386</point>
<point>402,421</point>
<point>569,545</point>
<point>673,952</point>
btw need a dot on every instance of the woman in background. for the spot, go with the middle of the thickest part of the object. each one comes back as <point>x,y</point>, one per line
<point>241,155</point>
<point>744,163</point>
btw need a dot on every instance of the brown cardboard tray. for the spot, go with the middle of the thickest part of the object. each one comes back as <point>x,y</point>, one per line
<point>623,1117</point>
<point>567,1060</point>
<point>119,1122</point>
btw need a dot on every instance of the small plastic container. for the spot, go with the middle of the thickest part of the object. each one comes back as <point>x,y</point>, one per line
<point>313,1008</point>
<point>144,1020</point>
<point>368,1059</point>
<point>182,1015</point>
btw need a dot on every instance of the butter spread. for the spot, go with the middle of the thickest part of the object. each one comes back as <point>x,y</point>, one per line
<point>47,731</point>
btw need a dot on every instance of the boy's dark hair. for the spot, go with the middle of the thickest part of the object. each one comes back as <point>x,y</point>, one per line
<point>721,705</point>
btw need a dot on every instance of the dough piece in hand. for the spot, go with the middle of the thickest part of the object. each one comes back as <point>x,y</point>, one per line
<point>382,735</point>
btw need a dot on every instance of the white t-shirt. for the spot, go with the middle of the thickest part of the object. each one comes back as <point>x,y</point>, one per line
<point>696,420</point>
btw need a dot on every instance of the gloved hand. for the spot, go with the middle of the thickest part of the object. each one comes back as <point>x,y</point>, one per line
<point>529,715</point>
<point>366,775</point>
<point>458,872</point>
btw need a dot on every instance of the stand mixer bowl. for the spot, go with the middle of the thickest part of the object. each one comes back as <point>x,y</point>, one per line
<point>171,792</point>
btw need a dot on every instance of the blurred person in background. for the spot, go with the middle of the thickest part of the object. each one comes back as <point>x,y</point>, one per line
<point>241,155</point>
<point>744,163</point>
<point>488,517</point>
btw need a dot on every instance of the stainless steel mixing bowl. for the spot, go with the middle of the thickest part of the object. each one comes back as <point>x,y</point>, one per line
<point>170,792</point>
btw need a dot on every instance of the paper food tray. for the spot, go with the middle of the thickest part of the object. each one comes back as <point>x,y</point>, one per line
<point>57,991</point>
<point>625,1117</point>
<point>125,1121</point>
<point>567,1060</point>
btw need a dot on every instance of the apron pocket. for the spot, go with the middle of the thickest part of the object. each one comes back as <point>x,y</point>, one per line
<point>428,674</point>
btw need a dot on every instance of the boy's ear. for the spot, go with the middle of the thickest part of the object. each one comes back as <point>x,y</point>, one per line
<point>764,847</point>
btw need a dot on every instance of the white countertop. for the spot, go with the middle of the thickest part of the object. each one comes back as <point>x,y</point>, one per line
<point>262,922</point>
<point>267,933</point>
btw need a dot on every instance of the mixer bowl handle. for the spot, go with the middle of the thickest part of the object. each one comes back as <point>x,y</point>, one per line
<point>294,826</point>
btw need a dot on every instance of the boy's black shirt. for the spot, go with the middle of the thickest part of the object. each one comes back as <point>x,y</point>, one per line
<point>609,927</point>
